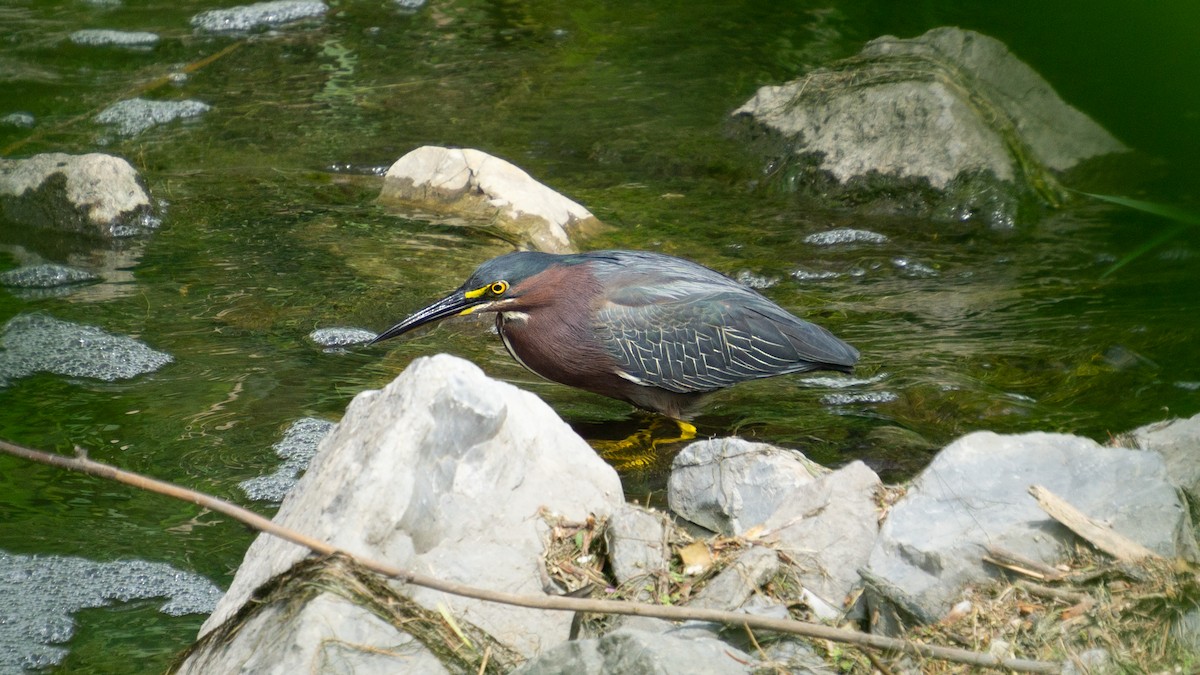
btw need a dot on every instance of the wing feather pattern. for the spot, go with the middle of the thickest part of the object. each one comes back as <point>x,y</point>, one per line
<point>686,328</point>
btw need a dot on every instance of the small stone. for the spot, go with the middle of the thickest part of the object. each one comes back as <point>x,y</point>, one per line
<point>45,276</point>
<point>260,15</point>
<point>341,337</point>
<point>114,38</point>
<point>133,116</point>
<point>845,235</point>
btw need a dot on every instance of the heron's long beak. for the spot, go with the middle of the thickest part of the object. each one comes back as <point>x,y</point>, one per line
<point>452,305</point>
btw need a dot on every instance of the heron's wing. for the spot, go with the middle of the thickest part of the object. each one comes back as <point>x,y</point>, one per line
<point>685,336</point>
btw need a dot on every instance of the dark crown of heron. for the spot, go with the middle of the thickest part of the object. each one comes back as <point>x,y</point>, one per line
<point>499,275</point>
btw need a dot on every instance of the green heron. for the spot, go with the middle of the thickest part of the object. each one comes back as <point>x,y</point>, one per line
<point>656,331</point>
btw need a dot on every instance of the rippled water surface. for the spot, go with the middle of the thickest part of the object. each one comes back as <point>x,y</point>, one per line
<point>269,231</point>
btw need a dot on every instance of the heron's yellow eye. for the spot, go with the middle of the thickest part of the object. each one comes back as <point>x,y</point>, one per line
<point>498,287</point>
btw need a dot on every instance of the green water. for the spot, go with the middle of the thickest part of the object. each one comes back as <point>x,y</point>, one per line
<point>621,108</point>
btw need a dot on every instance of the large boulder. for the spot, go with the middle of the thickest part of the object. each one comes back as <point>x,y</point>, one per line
<point>446,472</point>
<point>975,494</point>
<point>489,191</point>
<point>94,194</point>
<point>951,120</point>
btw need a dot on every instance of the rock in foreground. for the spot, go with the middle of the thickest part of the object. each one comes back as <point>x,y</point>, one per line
<point>975,494</point>
<point>446,472</point>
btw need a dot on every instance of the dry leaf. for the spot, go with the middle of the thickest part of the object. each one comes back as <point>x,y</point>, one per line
<point>696,558</point>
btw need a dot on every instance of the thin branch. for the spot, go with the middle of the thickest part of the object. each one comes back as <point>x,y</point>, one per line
<point>552,602</point>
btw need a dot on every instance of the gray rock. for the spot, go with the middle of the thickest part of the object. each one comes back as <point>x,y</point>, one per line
<point>45,276</point>
<point>629,652</point>
<point>95,193</point>
<point>341,337</point>
<point>444,471</point>
<point>952,110</point>
<point>974,494</point>
<point>827,528</point>
<point>735,584</point>
<point>845,235</point>
<point>133,116</point>
<point>38,343</point>
<point>257,16</point>
<point>1178,441</point>
<point>729,485</point>
<point>470,184</point>
<point>42,593</point>
<point>638,551</point>
<point>114,38</point>
<point>297,448</point>
<point>285,635</point>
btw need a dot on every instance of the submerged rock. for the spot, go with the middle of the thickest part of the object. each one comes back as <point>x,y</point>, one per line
<point>341,337</point>
<point>133,116</point>
<point>23,120</point>
<point>94,194</point>
<point>114,38</point>
<point>257,16</point>
<point>488,190</point>
<point>41,593</point>
<point>297,448</point>
<point>951,119</point>
<point>45,276</point>
<point>37,343</point>
<point>444,471</point>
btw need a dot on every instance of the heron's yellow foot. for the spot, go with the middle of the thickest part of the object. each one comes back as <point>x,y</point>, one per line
<point>640,450</point>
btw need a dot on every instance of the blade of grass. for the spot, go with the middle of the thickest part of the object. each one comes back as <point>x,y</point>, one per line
<point>1184,220</point>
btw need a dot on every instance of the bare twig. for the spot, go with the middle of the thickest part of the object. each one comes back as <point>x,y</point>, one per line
<point>551,602</point>
<point>1015,562</point>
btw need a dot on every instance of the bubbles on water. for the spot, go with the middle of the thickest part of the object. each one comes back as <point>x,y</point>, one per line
<point>297,448</point>
<point>42,592</point>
